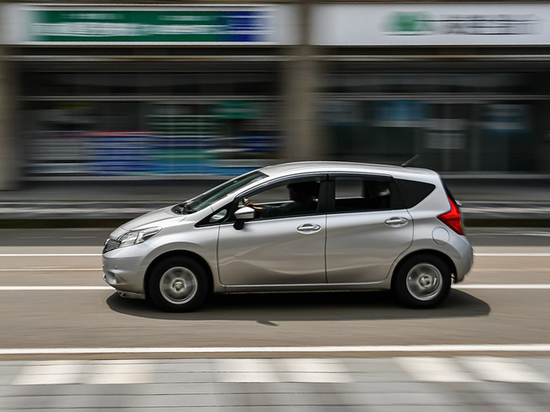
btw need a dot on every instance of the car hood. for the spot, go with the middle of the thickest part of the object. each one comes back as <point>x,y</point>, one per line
<point>153,218</point>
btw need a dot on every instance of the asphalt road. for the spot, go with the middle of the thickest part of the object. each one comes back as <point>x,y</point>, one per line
<point>53,296</point>
<point>54,307</point>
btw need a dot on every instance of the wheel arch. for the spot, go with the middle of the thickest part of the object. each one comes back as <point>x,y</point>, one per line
<point>178,253</point>
<point>448,261</point>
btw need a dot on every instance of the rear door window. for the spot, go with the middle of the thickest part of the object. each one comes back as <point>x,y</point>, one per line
<point>360,194</point>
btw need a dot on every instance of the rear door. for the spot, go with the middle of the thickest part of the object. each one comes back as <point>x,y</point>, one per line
<point>367,228</point>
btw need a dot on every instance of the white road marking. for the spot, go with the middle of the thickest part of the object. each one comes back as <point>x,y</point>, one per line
<point>52,288</point>
<point>512,254</point>
<point>422,369</point>
<point>65,269</point>
<point>534,347</point>
<point>49,254</point>
<point>50,270</point>
<point>511,286</point>
<point>503,370</point>
<point>120,372</point>
<point>49,373</point>
<point>516,270</point>
<point>314,371</point>
<point>245,371</point>
<point>496,254</point>
<point>114,372</point>
<point>434,370</point>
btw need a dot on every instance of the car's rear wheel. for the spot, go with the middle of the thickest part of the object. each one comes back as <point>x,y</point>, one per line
<point>422,281</point>
<point>178,284</point>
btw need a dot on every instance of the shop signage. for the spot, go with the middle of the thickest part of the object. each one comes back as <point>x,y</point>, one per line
<point>422,23</point>
<point>236,109</point>
<point>232,25</point>
<point>431,24</point>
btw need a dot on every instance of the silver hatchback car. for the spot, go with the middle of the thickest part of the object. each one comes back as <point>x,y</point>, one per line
<point>305,226</point>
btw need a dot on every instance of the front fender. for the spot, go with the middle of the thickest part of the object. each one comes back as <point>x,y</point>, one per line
<point>202,243</point>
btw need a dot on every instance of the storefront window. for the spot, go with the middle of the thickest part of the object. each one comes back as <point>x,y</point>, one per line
<point>150,123</point>
<point>455,122</point>
<point>500,83</point>
<point>152,83</point>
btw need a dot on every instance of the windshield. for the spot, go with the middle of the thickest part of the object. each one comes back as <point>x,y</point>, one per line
<point>215,194</point>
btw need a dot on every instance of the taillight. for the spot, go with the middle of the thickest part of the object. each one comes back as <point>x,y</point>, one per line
<point>453,218</point>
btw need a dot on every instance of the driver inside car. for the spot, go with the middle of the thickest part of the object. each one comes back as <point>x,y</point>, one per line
<point>303,199</point>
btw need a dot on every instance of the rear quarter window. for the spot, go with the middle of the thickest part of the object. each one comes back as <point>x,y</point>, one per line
<point>413,192</point>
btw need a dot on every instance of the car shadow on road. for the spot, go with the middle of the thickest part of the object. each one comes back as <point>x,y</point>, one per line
<point>264,308</point>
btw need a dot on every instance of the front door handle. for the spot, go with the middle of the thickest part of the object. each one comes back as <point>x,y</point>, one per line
<point>308,228</point>
<point>396,221</point>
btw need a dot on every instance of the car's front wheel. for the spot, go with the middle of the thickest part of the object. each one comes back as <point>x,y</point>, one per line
<point>422,281</point>
<point>178,284</point>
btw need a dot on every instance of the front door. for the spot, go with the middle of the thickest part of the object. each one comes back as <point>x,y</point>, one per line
<point>281,245</point>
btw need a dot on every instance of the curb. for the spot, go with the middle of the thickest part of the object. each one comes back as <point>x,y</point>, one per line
<point>62,223</point>
<point>506,222</point>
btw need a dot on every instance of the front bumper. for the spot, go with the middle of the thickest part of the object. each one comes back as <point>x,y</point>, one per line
<point>124,270</point>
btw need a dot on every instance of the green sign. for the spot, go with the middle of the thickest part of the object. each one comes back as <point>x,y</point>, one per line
<point>409,23</point>
<point>151,26</point>
<point>236,109</point>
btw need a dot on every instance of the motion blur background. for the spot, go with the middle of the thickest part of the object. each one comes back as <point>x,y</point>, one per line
<point>171,90</point>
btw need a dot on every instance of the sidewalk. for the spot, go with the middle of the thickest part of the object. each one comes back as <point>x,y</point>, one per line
<point>459,383</point>
<point>485,202</point>
<point>300,385</point>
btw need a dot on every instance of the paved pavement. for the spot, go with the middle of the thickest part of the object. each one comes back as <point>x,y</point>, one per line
<point>468,383</point>
<point>485,201</point>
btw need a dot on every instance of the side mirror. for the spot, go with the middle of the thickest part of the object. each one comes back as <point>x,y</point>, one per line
<point>245,213</point>
<point>242,215</point>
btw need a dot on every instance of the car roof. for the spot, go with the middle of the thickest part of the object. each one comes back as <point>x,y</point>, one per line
<point>286,169</point>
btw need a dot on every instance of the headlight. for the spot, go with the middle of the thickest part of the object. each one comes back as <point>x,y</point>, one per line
<point>136,237</point>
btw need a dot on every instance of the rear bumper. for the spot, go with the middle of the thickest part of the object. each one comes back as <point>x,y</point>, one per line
<point>465,259</point>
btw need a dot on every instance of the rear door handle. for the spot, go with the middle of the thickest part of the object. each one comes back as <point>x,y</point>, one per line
<point>308,228</point>
<point>396,221</point>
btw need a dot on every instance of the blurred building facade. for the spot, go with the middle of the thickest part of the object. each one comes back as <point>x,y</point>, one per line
<point>167,90</point>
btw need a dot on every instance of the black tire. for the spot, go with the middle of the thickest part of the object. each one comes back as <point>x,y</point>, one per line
<point>422,281</point>
<point>178,284</point>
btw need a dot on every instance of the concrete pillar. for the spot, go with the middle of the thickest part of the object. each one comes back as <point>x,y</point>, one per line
<point>300,78</point>
<point>542,145</point>
<point>9,159</point>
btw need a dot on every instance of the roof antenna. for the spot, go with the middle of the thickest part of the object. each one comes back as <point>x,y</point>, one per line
<point>412,159</point>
